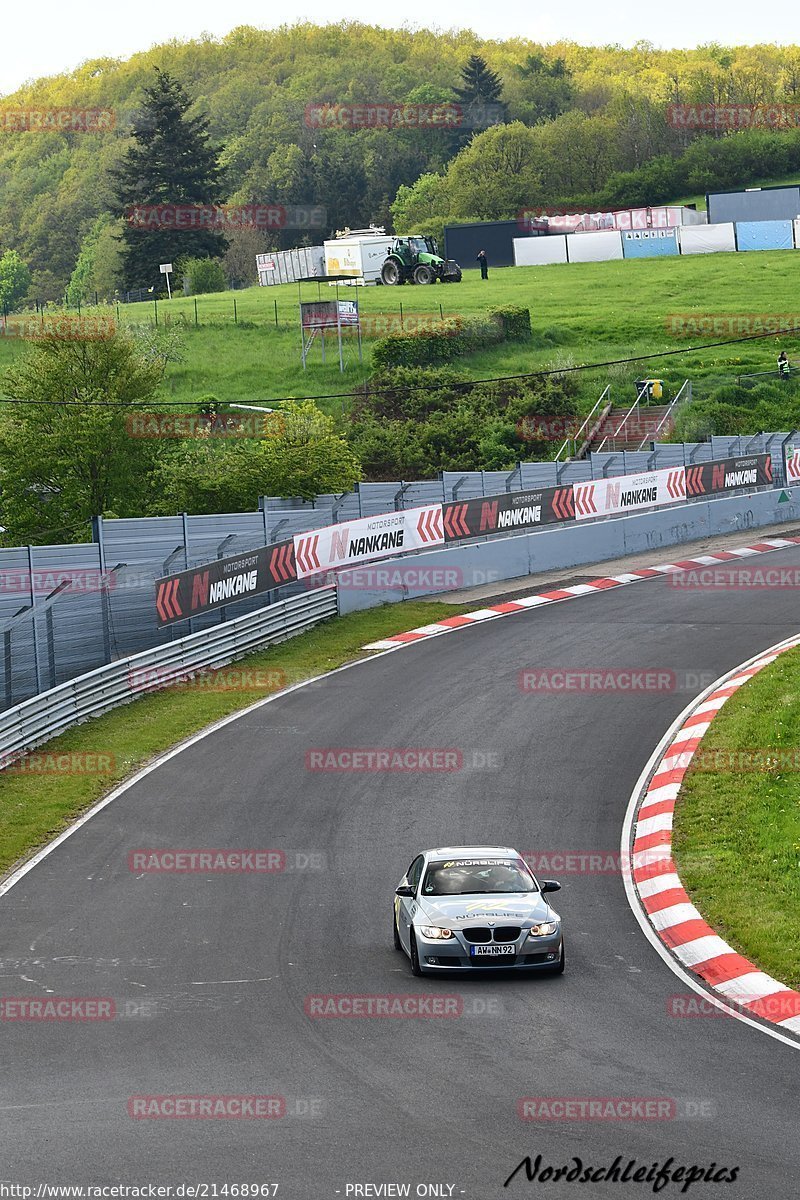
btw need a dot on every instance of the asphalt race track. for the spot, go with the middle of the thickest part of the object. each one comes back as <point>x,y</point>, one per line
<point>210,971</point>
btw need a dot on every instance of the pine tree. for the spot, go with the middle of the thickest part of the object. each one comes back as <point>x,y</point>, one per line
<point>170,163</point>
<point>481,86</point>
<point>479,98</point>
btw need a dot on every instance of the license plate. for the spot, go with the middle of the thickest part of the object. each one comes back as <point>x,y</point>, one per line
<point>491,951</point>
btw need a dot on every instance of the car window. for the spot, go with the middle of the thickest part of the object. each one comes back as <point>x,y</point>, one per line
<point>415,871</point>
<point>477,876</point>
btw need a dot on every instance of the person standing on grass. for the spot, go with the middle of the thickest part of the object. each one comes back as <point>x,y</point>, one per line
<point>784,367</point>
<point>484,264</point>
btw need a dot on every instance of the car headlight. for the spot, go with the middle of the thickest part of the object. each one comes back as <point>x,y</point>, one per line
<point>434,933</point>
<point>543,929</point>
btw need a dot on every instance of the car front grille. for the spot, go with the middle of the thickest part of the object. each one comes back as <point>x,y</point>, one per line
<point>506,933</point>
<point>479,933</point>
<point>482,933</point>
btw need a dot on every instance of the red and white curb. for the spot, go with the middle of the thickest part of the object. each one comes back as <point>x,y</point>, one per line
<point>653,878</point>
<point>448,624</point>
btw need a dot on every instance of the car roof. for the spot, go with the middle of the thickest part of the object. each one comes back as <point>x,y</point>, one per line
<point>446,852</point>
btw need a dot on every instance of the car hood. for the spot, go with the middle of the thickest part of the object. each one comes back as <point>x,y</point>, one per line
<point>458,912</point>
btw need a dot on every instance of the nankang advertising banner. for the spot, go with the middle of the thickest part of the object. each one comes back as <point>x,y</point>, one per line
<point>727,474</point>
<point>358,541</point>
<point>626,493</point>
<point>224,581</point>
<point>507,511</point>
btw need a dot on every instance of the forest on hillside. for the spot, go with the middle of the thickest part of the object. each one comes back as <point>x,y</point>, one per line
<point>578,127</point>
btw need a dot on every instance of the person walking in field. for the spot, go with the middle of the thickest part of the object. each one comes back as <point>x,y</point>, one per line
<point>784,367</point>
<point>484,264</point>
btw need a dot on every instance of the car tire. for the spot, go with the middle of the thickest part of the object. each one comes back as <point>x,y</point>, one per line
<point>416,969</point>
<point>398,945</point>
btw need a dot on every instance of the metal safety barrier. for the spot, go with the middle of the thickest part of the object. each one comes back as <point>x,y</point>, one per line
<point>52,712</point>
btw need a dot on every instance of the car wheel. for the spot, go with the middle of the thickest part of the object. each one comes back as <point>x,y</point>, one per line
<point>416,969</point>
<point>398,945</point>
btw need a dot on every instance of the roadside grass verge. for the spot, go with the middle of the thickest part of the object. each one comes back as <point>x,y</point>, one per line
<point>737,822</point>
<point>36,806</point>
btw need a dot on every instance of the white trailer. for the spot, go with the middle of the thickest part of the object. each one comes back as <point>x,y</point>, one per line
<point>287,266</point>
<point>360,257</point>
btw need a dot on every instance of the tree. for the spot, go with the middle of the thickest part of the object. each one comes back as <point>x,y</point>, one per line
<point>81,284</point>
<point>547,90</point>
<point>496,175</point>
<point>66,447</point>
<point>225,473</point>
<point>15,279</point>
<point>170,163</point>
<point>480,85</point>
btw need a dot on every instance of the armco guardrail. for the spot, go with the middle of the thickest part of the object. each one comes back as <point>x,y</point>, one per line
<point>50,713</point>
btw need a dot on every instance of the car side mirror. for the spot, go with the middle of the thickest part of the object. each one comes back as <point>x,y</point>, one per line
<point>550,885</point>
<point>405,889</point>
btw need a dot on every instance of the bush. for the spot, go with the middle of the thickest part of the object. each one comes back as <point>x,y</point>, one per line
<point>203,275</point>
<point>515,321</point>
<point>451,338</point>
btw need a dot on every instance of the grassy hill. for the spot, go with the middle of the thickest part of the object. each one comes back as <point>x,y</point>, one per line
<point>580,313</point>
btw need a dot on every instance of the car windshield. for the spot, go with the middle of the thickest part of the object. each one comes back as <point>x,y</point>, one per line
<point>476,876</point>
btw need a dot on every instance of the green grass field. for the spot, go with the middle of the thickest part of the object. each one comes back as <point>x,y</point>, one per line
<point>737,821</point>
<point>581,313</point>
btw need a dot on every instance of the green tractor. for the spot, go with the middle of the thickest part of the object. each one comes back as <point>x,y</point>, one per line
<point>417,260</point>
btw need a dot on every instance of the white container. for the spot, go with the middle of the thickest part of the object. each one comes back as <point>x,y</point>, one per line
<point>359,257</point>
<point>538,251</point>
<point>287,266</point>
<point>707,239</point>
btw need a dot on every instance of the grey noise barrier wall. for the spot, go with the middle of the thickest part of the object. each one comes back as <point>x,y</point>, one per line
<point>503,558</point>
